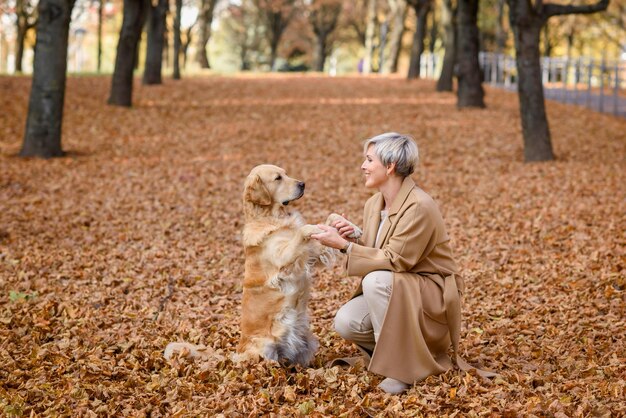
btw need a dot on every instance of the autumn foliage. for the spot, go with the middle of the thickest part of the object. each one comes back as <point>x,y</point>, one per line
<point>133,241</point>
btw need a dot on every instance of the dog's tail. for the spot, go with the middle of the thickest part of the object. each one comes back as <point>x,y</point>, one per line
<point>187,350</point>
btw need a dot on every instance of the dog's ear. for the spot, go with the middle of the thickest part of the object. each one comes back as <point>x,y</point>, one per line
<point>257,193</point>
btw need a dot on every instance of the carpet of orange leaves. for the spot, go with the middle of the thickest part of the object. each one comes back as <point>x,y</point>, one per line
<point>133,241</point>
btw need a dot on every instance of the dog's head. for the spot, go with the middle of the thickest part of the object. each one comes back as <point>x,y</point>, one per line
<point>269,187</point>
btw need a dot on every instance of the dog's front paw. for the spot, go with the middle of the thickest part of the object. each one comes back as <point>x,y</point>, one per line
<point>308,230</point>
<point>334,217</point>
<point>358,233</point>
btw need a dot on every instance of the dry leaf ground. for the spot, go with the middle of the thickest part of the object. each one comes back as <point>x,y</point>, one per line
<point>133,241</point>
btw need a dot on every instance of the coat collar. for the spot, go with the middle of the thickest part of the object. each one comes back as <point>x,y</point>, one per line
<point>371,224</point>
<point>407,185</point>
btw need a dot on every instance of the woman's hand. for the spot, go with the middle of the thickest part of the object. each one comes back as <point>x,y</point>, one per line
<point>330,237</point>
<point>344,228</point>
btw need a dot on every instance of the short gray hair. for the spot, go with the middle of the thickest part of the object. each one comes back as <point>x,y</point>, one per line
<point>392,147</point>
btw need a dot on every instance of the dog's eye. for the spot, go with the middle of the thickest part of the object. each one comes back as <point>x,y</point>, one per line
<point>279,178</point>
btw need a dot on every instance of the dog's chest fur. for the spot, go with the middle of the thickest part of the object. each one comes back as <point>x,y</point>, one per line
<point>291,277</point>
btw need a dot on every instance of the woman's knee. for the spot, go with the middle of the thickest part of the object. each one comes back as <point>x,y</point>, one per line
<point>342,324</point>
<point>376,281</point>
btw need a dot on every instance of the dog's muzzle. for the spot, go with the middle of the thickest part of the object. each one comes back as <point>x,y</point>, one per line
<point>298,196</point>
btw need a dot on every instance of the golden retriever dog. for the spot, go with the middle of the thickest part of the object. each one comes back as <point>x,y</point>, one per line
<point>280,257</point>
<point>279,261</point>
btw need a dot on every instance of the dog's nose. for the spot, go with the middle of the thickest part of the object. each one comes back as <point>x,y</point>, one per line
<point>301,185</point>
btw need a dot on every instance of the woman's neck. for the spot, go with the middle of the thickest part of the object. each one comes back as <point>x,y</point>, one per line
<point>390,190</point>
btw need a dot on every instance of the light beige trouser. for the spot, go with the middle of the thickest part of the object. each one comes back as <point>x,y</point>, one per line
<point>361,319</point>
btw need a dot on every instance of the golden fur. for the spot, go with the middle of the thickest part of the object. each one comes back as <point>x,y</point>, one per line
<point>279,260</point>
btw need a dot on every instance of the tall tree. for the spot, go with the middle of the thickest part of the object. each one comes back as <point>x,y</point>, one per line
<point>355,17</point>
<point>245,27</point>
<point>26,19</point>
<point>434,32</point>
<point>205,19</point>
<point>501,33</point>
<point>277,14</point>
<point>370,29</point>
<point>122,83</point>
<point>397,9</point>
<point>45,108</point>
<point>187,41</point>
<point>421,7</point>
<point>548,42</point>
<point>243,24</point>
<point>177,39</point>
<point>100,20</point>
<point>527,19</point>
<point>470,91</point>
<point>323,16</point>
<point>448,21</point>
<point>382,43</point>
<point>156,40</point>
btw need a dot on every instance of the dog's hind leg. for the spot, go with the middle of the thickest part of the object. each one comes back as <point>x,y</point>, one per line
<point>307,351</point>
<point>271,352</point>
<point>298,347</point>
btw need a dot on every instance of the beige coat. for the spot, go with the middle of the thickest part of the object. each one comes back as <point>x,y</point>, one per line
<point>413,243</point>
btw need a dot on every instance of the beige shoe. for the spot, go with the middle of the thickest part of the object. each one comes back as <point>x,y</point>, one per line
<point>393,386</point>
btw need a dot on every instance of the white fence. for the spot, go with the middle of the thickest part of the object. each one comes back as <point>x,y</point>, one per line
<point>597,84</point>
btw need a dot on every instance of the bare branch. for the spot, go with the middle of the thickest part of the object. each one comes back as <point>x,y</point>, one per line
<point>567,9</point>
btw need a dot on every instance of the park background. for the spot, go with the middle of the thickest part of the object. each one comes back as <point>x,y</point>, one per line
<point>132,238</point>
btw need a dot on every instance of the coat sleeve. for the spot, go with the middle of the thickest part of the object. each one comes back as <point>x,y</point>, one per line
<point>412,238</point>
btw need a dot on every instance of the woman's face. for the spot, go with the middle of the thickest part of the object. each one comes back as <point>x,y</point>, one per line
<point>373,169</point>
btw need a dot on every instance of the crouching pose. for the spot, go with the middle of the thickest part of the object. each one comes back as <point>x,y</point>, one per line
<point>405,312</point>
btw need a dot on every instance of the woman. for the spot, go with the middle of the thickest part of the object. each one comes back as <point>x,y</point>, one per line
<point>406,310</point>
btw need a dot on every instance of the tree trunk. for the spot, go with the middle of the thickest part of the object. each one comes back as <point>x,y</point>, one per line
<point>45,108</point>
<point>535,129</point>
<point>448,17</point>
<point>395,37</point>
<point>323,18</point>
<point>21,28</point>
<point>100,18</point>
<point>570,43</point>
<point>470,90</point>
<point>243,54</point>
<point>384,30</point>
<point>177,41</point>
<point>185,45</point>
<point>122,83</point>
<point>156,40</point>
<point>527,19</point>
<point>19,48</point>
<point>166,48</point>
<point>205,21</point>
<point>501,34</point>
<point>547,44</point>
<point>434,32</point>
<point>273,55</point>
<point>3,53</point>
<point>277,21</point>
<point>369,36</point>
<point>320,52</point>
<point>421,15</point>
<point>138,49</point>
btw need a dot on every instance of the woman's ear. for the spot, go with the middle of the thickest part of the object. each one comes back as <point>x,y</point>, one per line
<point>391,169</point>
<point>257,193</point>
